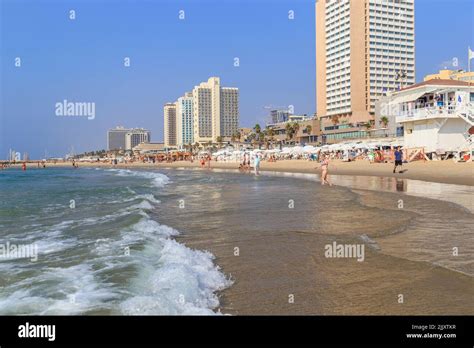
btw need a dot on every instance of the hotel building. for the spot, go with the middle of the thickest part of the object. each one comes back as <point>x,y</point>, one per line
<point>135,137</point>
<point>207,105</point>
<point>229,117</point>
<point>279,115</point>
<point>170,124</point>
<point>184,120</point>
<point>116,138</point>
<point>364,48</point>
<point>120,138</point>
<point>203,115</point>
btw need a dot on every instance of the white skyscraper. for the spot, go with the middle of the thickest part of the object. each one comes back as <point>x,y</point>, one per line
<point>184,120</point>
<point>208,112</point>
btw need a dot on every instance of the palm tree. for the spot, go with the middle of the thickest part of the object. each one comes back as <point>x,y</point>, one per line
<point>296,128</point>
<point>257,128</point>
<point>289,131</point>
<point>270,132</point>
<point>335,120</point>
<point>367,125</point>
<point>239,136</point>
<point>308,129</point>
<point>384,121</point>
<point>219,141</point>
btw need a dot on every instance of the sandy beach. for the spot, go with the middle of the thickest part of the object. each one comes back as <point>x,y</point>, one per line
<point>448,172</point>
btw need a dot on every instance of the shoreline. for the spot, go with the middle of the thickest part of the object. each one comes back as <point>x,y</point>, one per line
<point>287,259</point>
<point>446,172</point>
<point>263,279</point>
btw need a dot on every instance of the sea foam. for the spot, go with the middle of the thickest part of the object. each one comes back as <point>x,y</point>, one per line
<point>157,179</point>
<point>173,279</point>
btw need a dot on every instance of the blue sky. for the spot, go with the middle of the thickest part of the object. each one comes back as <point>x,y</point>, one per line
<point>82,60</point>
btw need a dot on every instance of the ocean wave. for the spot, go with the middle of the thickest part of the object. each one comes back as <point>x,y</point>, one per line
<point>173,279</point>
<point>146,196</point>
<point>157,179</point>
<point>184,283</point>
<point>59,291</point>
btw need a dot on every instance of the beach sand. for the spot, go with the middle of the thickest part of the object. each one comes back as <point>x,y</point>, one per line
<point>448,172</point>
<point>282,270</point>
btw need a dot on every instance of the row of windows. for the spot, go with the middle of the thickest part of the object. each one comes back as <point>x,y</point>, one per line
<point>354,134</point>
<point>391,5</point>
<point>393,52</point>
<point>383,25</point>
<point>378,43</point>
<point>331,39</point>
<point>393,34</point>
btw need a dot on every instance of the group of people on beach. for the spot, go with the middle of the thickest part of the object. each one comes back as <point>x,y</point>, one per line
<point>246,167</point>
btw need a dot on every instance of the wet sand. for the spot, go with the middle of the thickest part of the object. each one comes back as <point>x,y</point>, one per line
<point>281,269</point>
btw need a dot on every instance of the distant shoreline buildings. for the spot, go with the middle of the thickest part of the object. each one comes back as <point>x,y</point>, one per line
<point>120,138</point>
<point>208,114</point>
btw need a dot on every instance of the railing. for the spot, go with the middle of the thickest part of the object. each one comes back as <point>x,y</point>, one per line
<point>432,111</point>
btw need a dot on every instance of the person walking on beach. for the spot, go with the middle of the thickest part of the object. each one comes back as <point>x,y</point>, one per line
<point>24,166</point>
<point>257,165</point>
<point>398,159</point>
<point>324,170</point>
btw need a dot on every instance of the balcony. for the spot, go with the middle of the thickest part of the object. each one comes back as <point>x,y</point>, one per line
<point>433,112</point>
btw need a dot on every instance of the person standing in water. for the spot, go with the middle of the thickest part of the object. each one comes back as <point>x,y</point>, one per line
<point>257,165</point>
<point>324,170</point>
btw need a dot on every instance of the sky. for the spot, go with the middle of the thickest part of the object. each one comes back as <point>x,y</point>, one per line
<point>82,60</point>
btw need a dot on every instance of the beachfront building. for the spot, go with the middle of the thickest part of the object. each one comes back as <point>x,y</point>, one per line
<point>121,138</point>
<point>385,123</point>
<point>148,148</point>
<point>136,136</point>
<point>229,112</point>
<point>305,130</point>
<point>206,98</point>
<point>184,120</point>
<point>279,115</point>
<point>116,138</point>
<point>207,114</point>
<point>437,115</point>
<point>446,74</point>
<point>169,111</point>
<point>364,48</point>
<point>216,111</point>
